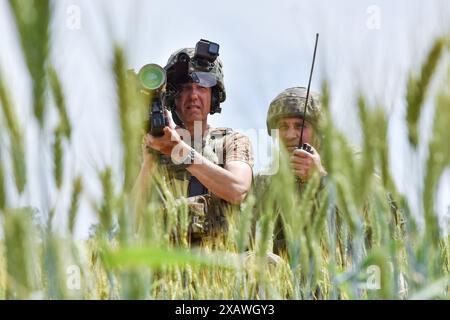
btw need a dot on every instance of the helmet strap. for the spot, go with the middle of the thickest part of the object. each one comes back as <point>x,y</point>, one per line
<point>215,100</point>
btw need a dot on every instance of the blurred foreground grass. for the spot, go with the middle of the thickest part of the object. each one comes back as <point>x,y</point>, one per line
<point>362,242</point>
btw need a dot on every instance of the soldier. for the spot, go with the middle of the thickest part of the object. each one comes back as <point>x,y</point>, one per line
<point>286,114</point>
<point>212,165</point>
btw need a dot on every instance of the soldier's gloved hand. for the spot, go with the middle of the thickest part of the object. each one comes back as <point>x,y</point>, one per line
<point>304,164</point>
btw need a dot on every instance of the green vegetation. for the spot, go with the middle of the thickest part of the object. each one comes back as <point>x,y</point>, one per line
<point>360,242</point>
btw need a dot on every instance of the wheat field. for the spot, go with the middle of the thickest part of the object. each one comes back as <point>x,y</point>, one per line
<point>361,242</point>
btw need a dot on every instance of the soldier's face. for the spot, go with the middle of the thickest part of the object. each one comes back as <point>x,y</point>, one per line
<point>193,103</point>
<point>290,131</point>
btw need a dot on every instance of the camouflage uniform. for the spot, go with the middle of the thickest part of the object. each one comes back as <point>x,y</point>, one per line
<point>289,103</point>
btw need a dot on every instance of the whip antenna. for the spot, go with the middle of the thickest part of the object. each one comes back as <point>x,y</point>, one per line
<point>307,91</point>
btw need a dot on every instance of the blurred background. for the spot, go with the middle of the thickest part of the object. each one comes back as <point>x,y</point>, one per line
<point>366,47</point>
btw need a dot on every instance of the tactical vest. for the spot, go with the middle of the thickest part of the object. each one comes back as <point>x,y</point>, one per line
<point>207,221</point>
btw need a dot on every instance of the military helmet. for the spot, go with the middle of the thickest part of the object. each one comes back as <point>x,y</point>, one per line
<point>209,75</point>
<point>291,103</point>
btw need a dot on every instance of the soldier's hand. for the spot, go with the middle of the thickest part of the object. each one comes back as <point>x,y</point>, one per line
<point>304,164</point>
<point>165,143</point>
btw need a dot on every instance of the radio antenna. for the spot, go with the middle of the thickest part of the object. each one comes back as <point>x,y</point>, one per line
<point>307,91</point>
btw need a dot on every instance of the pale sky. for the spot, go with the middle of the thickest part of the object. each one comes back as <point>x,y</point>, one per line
<point>266,46</point>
